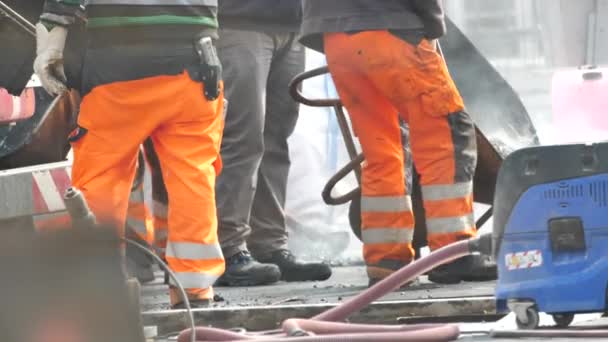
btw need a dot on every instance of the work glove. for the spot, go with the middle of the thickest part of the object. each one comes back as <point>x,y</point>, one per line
<point>49,58</point>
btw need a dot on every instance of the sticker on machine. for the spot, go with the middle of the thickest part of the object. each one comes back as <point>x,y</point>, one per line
<point>523,260</point>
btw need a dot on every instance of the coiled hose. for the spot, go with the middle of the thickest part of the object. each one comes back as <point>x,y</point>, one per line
<point>326,326</point>
<point>82,216</point>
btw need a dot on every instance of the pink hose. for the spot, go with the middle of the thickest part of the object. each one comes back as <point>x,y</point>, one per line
<point>323,327</point>
<point>395,280</point>
<point>438,334</point>
<point>294,325</point>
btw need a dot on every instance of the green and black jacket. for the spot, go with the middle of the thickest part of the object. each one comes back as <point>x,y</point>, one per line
<point>133,39</point>
<point>135,19</point>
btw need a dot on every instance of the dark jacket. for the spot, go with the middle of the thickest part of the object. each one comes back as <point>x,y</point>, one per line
<point>129,40</point>
<point>261,15</point>
<point>320,16</point>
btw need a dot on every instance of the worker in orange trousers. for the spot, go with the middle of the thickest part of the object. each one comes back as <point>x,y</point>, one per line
<point>383,58</point>
<point>145,75</point>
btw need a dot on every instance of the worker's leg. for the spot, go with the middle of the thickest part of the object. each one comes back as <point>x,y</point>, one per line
<point>446,165</point>
<point>387,217</point>
<point>416,80</point>
<point>140,228</point>
<point>442,134</point>
<point>268,240</point>
<point>160,199</point>
<point>246,57</point>
<point>139,216</point>
<point>188,146</point>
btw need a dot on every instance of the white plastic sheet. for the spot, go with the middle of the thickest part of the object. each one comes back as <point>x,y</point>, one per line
<point>318,231</point>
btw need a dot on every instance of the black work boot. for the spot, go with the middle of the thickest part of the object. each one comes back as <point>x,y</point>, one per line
<point>377,273</point>
<point>196,300</point>
<point>411,283</point>
<point>243,270</point>
<point>294,270</point>
<point>194,304</point>
<point>469,268</point>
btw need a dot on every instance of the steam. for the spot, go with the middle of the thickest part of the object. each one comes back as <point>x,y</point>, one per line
<point>528,42</point>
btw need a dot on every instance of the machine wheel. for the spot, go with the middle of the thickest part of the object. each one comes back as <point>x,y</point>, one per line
<point>563,320</point>
<point>533,320</point>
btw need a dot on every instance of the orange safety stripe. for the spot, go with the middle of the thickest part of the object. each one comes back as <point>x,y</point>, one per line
<point>193,294</point>
<point>385,220</point>
<point>374,254</point>
<point>449,208</point>
<point>372,236</point>
<point>437,241</point>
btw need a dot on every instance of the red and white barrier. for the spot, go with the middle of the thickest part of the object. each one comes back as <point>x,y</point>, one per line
<point>17,108</point>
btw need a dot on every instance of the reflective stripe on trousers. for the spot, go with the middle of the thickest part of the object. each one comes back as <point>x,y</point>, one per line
<point>449,213</point>
<point>139,217</point>
<point>200,253</point>
<point>387,228</point>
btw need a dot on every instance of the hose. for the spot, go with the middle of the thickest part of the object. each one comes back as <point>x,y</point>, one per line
<point>82,216</point>
<point>395,280</point>
<point>324,327</point>
<point>180,287</point>
<point>343,333</point>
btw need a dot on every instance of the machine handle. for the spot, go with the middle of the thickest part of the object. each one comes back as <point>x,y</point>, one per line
<point>356,159</point>
<point>17,18</point>
<point>353,165</point>
<point>295,92</point>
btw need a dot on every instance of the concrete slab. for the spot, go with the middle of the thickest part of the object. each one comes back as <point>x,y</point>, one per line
<point>264,307</point>
<point>344,283</point>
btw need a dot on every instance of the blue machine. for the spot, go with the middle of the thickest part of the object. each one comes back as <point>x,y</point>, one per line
<point>550,235</point>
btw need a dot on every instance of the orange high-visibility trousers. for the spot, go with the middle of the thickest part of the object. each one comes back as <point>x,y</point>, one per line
<point>186,130</point>
<point>379,77</point>
<point>139,217</point>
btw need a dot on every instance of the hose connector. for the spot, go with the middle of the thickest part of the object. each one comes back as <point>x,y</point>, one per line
<point>78,209</point>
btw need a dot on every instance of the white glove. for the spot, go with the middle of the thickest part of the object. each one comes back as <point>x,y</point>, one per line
<point>49,60</point>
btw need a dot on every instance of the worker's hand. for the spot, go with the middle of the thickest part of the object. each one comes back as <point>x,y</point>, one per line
<point>49,60</point>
